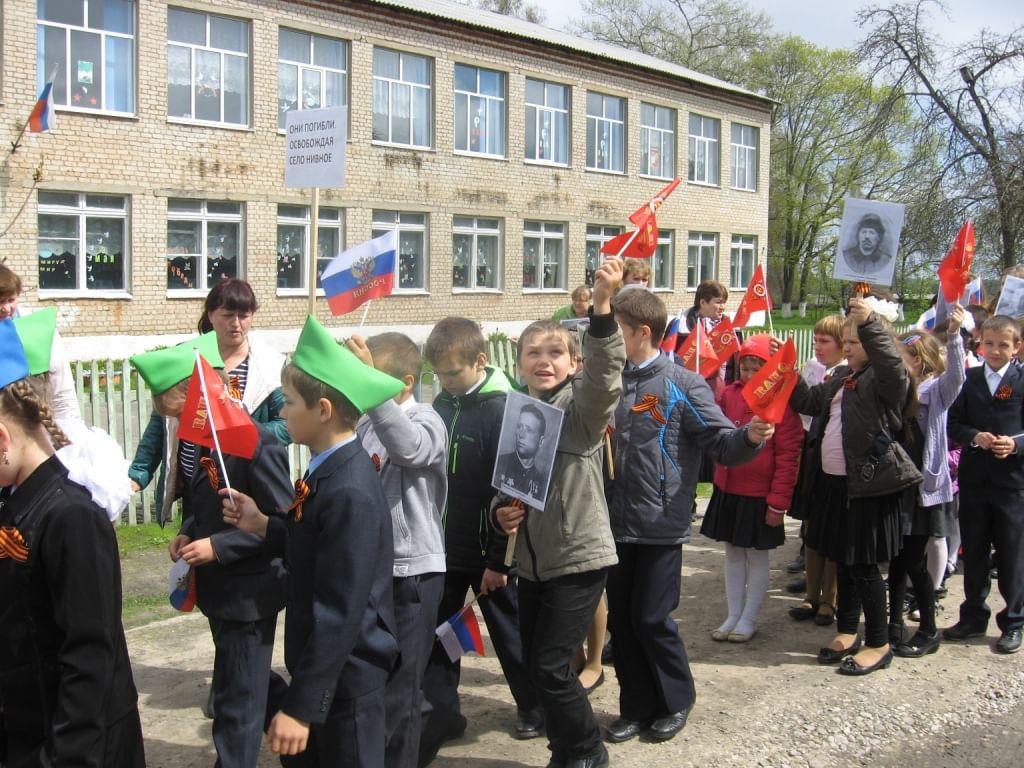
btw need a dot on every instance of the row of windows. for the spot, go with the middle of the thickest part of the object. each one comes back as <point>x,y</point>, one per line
<point>91,43</point>
<point>83,247</point>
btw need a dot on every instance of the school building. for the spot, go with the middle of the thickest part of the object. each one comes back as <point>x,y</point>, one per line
<point>503,152</point>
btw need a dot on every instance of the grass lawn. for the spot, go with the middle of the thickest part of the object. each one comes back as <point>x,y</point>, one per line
<point>144,568</point>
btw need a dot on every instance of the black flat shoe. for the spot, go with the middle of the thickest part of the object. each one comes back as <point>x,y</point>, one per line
<point>664,728</point>
<point>622,730</point>
<point>796,587</point>
<point>850,667</point>
<point>588,689</point>
<point>825,618</point>
<point>962,630</point>
<point>803,612</point>
<point>897,633</point>
<point>921,644</point>
<point>828,655</point>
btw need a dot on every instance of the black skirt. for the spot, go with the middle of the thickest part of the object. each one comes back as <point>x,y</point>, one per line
<point>853,531</point>
<point>739,520</point>
<point>938,520</point>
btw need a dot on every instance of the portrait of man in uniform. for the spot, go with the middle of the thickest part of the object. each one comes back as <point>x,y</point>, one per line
<point>868,240</point>
<point>529,438</point>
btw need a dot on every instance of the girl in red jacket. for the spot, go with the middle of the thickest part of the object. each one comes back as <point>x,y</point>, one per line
<point>750,501</point>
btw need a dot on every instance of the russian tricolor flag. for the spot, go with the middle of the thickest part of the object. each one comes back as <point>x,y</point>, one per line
<point>461,634</point>
<point>362,273</point>
<point>668,341</point>
<point>973,292</point>
<point>42,117</point>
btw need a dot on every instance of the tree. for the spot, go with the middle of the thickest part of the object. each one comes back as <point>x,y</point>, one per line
<point>974,93</point>
<point>520,9</point>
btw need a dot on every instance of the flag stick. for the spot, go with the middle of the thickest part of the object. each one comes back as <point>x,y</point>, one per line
<point>696,346</point>
<point>17,141</point>
<point>213,425</point>
<point>510,547</point>
<point>626,245</point>
<point>771,328</point>
<point>314,247</point>
<point>366,311</point>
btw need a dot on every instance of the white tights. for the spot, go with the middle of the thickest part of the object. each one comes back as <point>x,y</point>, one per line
<point>746,585</point>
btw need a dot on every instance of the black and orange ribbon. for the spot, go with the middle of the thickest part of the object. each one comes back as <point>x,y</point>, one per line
<point>12,544</point>
<point>650,403</point>
<point>235,387</point>
<point>301,494</point>
<point>210,466</point>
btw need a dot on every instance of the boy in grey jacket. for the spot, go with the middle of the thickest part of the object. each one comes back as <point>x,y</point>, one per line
<point>407,442</point>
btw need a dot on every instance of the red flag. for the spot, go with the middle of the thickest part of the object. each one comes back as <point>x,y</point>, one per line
<point>768,391</point>
<point>955,270</point>
<point>723,340</point>
<point>687,353</point>
<point>755,299</point>
<point>236,432</point>
<point>643,241</point>
<point>668,341</point>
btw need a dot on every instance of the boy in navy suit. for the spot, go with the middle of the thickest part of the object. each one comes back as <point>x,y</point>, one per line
<point>340,639</point>
<point>987,419</point>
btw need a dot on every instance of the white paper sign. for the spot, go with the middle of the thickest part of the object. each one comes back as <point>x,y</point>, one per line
<point>315,148</point>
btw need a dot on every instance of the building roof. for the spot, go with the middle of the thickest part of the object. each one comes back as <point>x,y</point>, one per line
<point>509,25</point>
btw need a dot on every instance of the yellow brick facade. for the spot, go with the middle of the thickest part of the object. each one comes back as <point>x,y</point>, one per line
<point>149,159</point>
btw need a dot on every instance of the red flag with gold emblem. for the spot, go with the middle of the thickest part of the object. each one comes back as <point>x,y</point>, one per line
<point>754,300</point>
<point>723,340</point>
<point>705,363</point>
<point>643,241</point>
<point>955,270</point>
<point>214,408</point>
<point>768,391</point>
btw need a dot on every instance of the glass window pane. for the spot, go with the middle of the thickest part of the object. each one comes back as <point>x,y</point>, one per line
<point>381,121</point>
<point>492,83</point>
<point>487,261</point>
<point>108,202</point>
<point>188,206</point>
<point>487,223</point>
<point>461,122</point>
<point>86,70</point>
<point>329,214</point>
<point>186,26</point>
<point>58,261</point>
<point>593,104</point>
<point>496,128</point>
<point>421,112</point>
<point>179,81</point>
<point>400,107</point>
<point>328,52</point>
<point>336,95</point>
<point>328,246</point>
<point>613,108</point>
<point>295,212</point>
<point>221,251</point>
<point>386,63</point>
<point>411,261</point>
<point>120,74</point>
<point>419,219</point>
<point>385,217</point>
<point>694,125</point>
<point>229,34</point>
<point>557,96</point>
<point>562,139</point>
<point>461,260</point>
<point>208,86</point>
<point>477,124</point>
<point>61,11</point>
<point>534,92</point>
<point>230,209</point>
<point>51,226</point>
<point>236,90</point>
<point>552,263</point>
<point>184,237</point>
<point>287,91</point>
<point>112,15</point>
<point>530,149</point>
<point>104,253</point>
<point>58,198</point>
<point>415,69</point>
<point>311,83</point>
<point>293,46</point>
<point>465,78</point>
<point>291,251</point>
<point>462,221</point>
<point>647,114</point>
<point>531,261</point>
<point>52,53</point>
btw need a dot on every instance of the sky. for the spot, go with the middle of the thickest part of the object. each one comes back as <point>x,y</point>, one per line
<point>831,23</point>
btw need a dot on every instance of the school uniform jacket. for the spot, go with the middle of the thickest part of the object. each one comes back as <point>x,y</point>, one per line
<point>65,678</point>
<point>340,639</point>
<point>978,410</point>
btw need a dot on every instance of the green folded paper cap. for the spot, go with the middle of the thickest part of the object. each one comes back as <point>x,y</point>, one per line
<point>36,334</point>
<point>163,368</point>
<point>320,355</point>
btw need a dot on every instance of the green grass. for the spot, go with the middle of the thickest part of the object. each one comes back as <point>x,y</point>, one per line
<point>704,490</point>
<point>136,611</point>
<point>139,538</point>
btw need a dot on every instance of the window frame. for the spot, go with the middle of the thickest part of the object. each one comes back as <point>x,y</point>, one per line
<point>489,103</point>
<point>597,238</point>
<point>379,227</point>
<point>205,218</point>
<point>739,246</point>
<point>700,240</point>
<point>429,87</point>
<point>666,238</point>
<point>83,212</point>
<point>542,236</point>
<point>313,67</point>
<point>646,133</point>
<point>595,121</point>
<point>473,267</point>
<point>749,152</point>
<point>557,115</point>
<point>306,222</point>
<point>707,143</point>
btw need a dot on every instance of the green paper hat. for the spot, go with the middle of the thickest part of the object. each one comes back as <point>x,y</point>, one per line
<point>163,368</point>
<point>319,355</point>
<point>36,334</point>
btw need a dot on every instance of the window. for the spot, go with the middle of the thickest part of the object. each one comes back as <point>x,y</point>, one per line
<point>82,241</point>
<point>476,253</point>
<point>606,129</point>
<point>207,67</point>
<point>743,261</point>
<point>90,44</point>
<point>662,261</point>
<point>543,255</point>
<point>312,72</point>
<point>401,98</point>
<point>547,122</point>
<point>657,141</point>
<point>744,157</point>
<point>701,261</point>
<point>703,161</point>
<point>479,111</point>
<point>412,246</point>
<point>293,233</point>
<point>204,243</point>
<point>596,237</point>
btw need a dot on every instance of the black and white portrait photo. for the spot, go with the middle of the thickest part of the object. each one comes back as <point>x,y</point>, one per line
<point>526,449</point>
<point>1011,297</point>
<point>868,240</point>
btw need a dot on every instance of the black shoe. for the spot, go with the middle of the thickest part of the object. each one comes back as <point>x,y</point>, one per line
<point>802,612</point>
<point>208,707</point>
<point>598,759</point>
<point>897,631</point>
<point>828,655</point>
<point>797,587</point>
<point>607,654</point>
<point>796,565</point>
<point>438,727</point>
<point>826,617</point>
<point>1009,642</point>
<point>622,730</point>
<point>589,689</point>
<point>921,644</point>
<point>851,667</point>
<point>962,630</point>
<point>664,728</point>
<point>529,724</point>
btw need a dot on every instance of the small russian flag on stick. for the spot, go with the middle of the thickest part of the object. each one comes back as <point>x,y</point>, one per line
<point>461,634</point>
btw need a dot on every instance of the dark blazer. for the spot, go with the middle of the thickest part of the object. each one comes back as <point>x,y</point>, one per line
<point>977,410</point>
<point>247,581</point>
<point>65,679</point>
<point>340,639</point>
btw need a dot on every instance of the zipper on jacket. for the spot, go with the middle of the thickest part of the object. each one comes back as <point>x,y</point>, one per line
<point>661,493</point>
<point>453,455</point>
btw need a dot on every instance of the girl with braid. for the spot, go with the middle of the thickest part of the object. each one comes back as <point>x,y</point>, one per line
<point>66,684</point>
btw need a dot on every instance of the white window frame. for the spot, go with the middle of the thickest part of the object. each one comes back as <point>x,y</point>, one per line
<point>597,236</point>
<point>543,232</point>
<point>331,220</point>
<point>205,218</point>
<point>321,70</point>
<point>66,75</point>
<point>744,157</point>
<point>400,82</point>
<point>742,247</point>
<point>490,104</point>
<point>700,241</point>
<point>705,146</point>
<point>405,222</point>
<point>557,117</point>
<point>665,251</point>
<point>192,49</point>
<point>660,137</point>
<point>476,232</point>
<point>596,122</point>
<point>83,212</point>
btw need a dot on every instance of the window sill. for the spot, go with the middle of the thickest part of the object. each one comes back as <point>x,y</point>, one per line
<point>480,155</point>
<point>45,294</point>
<point>472,291</point>
<point>663,290</point>
<point>97,112</point>
<point>744,189</point>
<point>299,293</point>
<point>411,292</point>
<point>282,133</point>
<point>604,172</point>
<point>193,293</point>
<point>707,184</point>
<point>207,124</point>
<point>408,147</point>
<point>545,163</point>
<point>657,178</point>
<point>548,291</point>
